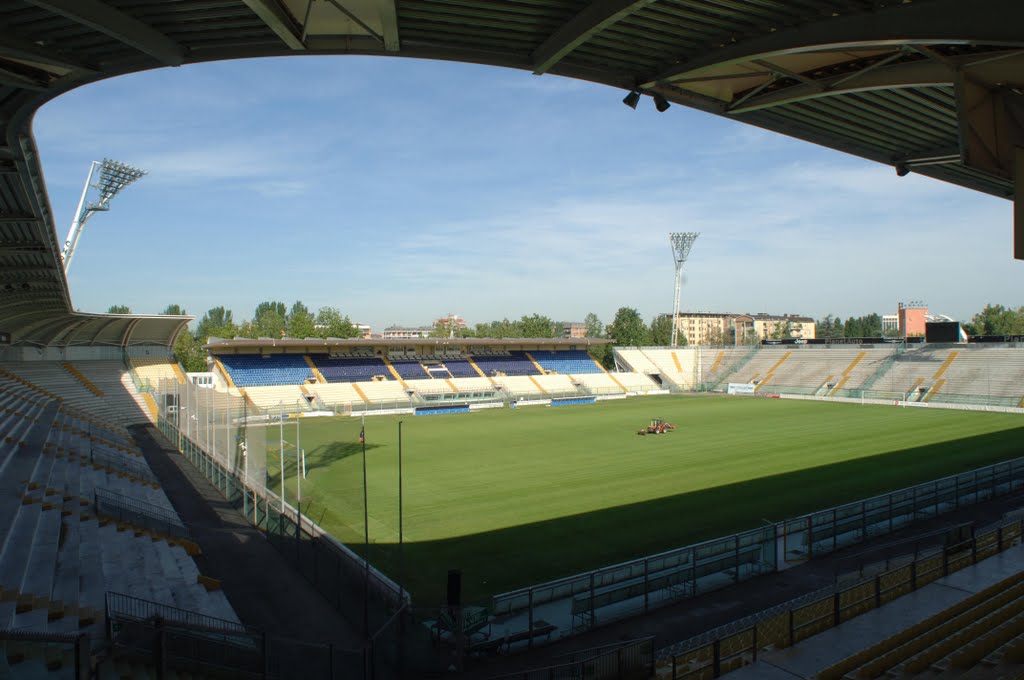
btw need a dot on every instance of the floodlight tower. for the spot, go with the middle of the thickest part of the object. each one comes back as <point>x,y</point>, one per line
<point>681,244</point>
<point>113,177</point>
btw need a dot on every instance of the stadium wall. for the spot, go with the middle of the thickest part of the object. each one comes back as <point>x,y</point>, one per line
<point>891,402</point>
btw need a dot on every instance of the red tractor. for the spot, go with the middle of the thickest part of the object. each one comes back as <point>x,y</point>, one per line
<point>657,426</point>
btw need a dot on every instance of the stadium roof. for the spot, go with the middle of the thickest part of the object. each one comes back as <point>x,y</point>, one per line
<point>928,86</point>
<point>222,345</point>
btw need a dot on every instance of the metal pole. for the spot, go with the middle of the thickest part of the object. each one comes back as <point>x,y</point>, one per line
<point>76,225</point>
<point>401,547</point>
<point>280,420</point>
<point>366,538</point>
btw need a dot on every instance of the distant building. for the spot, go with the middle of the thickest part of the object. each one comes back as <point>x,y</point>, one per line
<point>890,323</point>
<point>574,329</point>
<point>395,332</point>
<point>452,322</point>
<point>363,330</point>
<point>718,328</point>
<point>912,318</point>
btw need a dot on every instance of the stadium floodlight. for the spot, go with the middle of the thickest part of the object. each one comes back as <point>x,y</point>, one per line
<point>681,244</point>
<point>114,176</point>
<point>661,103</point>
<point>632,99</point>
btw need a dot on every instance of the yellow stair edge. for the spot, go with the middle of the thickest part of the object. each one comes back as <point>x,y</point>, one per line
<point>535,364</point>
<point>945,364</point>
<point>150,404</point>
<point>362,395</point>
<point>224,372</point>
<point>178,373</point>
<point>394,373</point>
<point>534,381</point>
<point>70,368</point>
<point>316,371</point>
<point>607,373</point>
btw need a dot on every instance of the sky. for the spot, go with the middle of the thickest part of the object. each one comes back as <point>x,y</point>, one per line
<point>401,190</point>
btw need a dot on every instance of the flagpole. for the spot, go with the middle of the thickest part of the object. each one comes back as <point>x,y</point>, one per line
<point>366,538</point>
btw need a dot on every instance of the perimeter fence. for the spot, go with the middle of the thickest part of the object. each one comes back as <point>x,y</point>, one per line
<point>738,644</point>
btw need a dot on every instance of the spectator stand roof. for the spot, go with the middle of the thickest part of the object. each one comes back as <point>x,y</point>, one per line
<point>928,86</point>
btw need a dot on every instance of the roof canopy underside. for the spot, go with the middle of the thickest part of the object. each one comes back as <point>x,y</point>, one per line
<point>929,86</point>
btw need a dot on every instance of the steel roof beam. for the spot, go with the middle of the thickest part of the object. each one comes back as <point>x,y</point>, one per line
<point>990,22</point>
<point>113,22</point>
<point>16,47</point>
<point>594,18</point>
<point>279,20</point>
<point>914,74</point>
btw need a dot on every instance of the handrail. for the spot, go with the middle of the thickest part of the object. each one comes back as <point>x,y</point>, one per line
<point>148,514</point>
<point>124,606</point>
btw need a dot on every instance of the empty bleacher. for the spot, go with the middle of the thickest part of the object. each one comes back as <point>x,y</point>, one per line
<point>572,362</point>
<point>335,394</point>
<point>509,364</point>
<point>151,370</point>
<point>61,550</point>
<point>349,369</point>
<point>116,401</point>
<point>253,370</point>
<point>272,399</point>
<point>461,368</point>
<point>410,369</point>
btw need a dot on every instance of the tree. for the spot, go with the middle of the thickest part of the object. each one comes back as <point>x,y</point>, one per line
<point>173,310</point>
<point>628,328</point>
<point>661,331</point>
<point>217,322</point>
<point>331,324</point>
<point>537,326</point>
<point>824,328</point>
<point>301,323</point>
<point>782,330</point>
<point>999,320</point>
<point>119,309</point>
<point>189,352</point>
<point>595,329</point>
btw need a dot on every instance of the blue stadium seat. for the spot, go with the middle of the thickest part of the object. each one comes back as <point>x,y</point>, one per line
<point>253,370</point>
<point>350,369</point>
<point>568,362</point>
<point>515,363</point>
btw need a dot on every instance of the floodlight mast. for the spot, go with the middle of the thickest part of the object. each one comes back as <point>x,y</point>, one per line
<point>114,176</point>
<point>681,244</point>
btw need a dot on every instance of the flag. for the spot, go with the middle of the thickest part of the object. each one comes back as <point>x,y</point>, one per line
<point>362,435</point>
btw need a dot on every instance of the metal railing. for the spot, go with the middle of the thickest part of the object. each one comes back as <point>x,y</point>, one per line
<point>32,643</point>
<point>122,463</point>
<point>729,647</point>
<point>127,509</point>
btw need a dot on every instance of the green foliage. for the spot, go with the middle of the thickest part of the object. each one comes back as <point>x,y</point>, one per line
<point>998,320</point>
<point>269,321</point>
<point>869,326</point>
<point>189,352</point>
<point>782,330</point>
<point>595,329</point>
<point>301,323</point>
<point>537,326</point>
<point>217,322</point>
<point>174,310</point>
<point>119,309</point>
<point>661,331</point>
<point>330,323</point>
<point>628,328</point>
<point>586,473</point>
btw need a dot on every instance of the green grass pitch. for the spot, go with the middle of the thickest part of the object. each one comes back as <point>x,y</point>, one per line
<point>516,497</point>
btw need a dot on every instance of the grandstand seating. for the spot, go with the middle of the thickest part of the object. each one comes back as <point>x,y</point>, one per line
<point>270,399</point>
<point>349,369</point>
<point>520,386</point>
<point>385,391</point>
<point>677,366</point>
<point>151,370</point>
<point>633,382</point>
<point>461,368</point>
<point>410,369</point>
<point>59,551</point>
<point>334,394</point>
<point>996,375</point>
<point>572,362</point>
<point>430,386</point>
<point>556,385</point>
<point>473,384</point>
<point>510,364</point>
<point>636,360</point>
<point>253,370</point>
<point>118,403</point>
